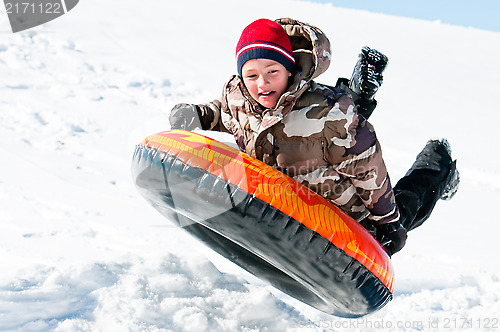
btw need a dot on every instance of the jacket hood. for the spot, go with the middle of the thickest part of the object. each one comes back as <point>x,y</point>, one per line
<point>311,49</point>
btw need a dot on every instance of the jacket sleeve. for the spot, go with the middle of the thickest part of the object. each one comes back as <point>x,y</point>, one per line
<point>362,162</point>
<point>213,115</point>
<point>210,116</point>
<point>202,116</point>
<point>217,115</point>
<point>369,176</point>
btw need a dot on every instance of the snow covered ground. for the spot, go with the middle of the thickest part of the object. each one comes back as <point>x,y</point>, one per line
<point>80,250</point>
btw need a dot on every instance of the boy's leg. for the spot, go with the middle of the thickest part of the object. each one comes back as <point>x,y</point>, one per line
<point>366,79</point>
<point>433,176</point>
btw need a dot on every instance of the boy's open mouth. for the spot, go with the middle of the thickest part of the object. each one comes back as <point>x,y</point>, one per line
<point>266,93</point>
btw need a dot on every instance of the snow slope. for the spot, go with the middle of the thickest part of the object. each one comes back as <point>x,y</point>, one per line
<point>81,251</point>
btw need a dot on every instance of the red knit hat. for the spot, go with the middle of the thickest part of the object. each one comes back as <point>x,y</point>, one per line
<point>265,39</point>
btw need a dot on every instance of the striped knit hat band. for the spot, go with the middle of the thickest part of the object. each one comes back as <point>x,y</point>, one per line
<point>265,39</point>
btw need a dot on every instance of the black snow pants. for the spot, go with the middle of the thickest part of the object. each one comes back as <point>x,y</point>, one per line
<point>416,195</point>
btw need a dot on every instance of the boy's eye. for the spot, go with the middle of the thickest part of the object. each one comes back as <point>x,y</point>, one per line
<point>251,76</point>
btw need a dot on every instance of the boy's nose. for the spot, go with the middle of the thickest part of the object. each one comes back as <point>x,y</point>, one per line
<point>262,81</point>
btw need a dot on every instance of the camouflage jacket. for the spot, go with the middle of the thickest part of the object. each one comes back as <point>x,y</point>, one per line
<point>314,133</point>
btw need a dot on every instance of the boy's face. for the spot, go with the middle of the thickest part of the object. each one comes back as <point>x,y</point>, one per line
<point>266,80</point>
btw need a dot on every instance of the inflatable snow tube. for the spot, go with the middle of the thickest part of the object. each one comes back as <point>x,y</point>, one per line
<point>264,221</point>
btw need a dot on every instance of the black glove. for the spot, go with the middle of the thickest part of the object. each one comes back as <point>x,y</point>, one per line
<point>392,236</point>
<point>185,116</point>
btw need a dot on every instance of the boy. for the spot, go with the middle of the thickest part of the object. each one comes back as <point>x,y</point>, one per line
<point>316,134</point>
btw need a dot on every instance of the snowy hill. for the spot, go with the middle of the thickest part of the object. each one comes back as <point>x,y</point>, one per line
<point>82,251</point>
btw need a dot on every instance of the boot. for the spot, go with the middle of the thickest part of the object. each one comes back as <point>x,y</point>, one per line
<point>433,176</point>
<point>367,75</point>
<point>365,81</point>
<point>436,156</point>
